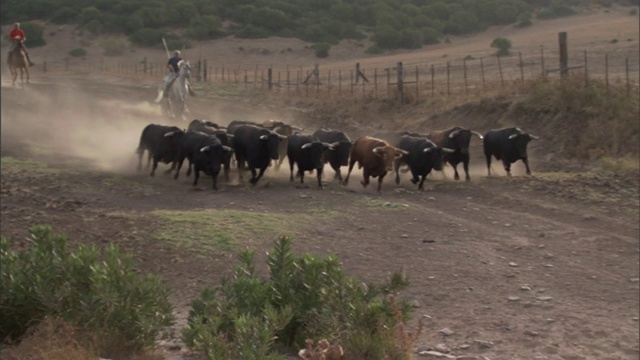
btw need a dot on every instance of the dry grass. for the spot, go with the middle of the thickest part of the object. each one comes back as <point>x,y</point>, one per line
<point>55,339</point>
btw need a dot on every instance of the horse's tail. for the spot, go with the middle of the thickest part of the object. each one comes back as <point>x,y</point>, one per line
<point>159,98</point>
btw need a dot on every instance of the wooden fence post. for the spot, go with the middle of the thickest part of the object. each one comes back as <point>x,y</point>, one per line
<point>375,83</point>
<point>544,73</point>
<point>626,65</point>
<point>433,80</point>
<point>448,79</point>
<point>586,70</point>
<point>400,82</point>
<point>205,70</point>
<point>500,70</point>
<point>606,72</point>
<point>564,60</point>
<point>521,67</point>
<point>270,78</point>
<point>482,72</point>
<point>464,70</point>
<point>417,85</point>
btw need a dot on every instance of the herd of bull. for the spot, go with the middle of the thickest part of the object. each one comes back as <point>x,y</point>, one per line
<point>208,147</point>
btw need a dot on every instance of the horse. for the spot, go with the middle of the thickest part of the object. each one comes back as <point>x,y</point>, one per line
<point>177,93</point>
<point>18,61</point>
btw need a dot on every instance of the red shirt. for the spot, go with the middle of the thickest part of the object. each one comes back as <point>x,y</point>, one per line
<point>17,33</point>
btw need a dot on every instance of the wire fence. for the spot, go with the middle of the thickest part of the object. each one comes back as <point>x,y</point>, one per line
<point>404,81</point>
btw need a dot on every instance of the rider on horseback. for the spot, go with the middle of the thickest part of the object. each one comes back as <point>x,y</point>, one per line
<point>174,68</point>
<point>17,35</point>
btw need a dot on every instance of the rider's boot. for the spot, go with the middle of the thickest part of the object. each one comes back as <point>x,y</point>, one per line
<point>29,59</point>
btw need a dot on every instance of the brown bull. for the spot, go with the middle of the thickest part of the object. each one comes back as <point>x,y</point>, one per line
<point>375,157</point>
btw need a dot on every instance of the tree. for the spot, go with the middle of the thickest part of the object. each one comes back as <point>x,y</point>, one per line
<point>503,45</point>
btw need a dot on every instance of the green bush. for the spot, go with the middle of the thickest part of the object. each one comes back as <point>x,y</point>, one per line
<point>524,20</point>
<point>78,52</point>
<point>35,34</point>
<point>181,44</point>
<point>322,49</point>
<point>374,50</point>
<point>205,27</point>
<point>101,293</point>
<point>503,45</point>
<point>303,297</point>
<point>556,11</point>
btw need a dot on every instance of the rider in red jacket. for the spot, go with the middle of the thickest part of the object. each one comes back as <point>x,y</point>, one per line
<point>17,34</point>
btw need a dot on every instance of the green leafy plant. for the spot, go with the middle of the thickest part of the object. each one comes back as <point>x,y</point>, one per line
<point>99,292</point>
<point>322,49</point>
<point>78,52</point>
<point>302,298</point>
<point>503,45</point>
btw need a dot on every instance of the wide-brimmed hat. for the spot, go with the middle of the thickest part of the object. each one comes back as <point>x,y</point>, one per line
<point>176,52</point>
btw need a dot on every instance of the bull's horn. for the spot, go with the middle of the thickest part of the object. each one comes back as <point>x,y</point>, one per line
<point>513,136</point>
<point>226,148</point>
<point>335,144</point>
<point>534,137</point>
<point>329,146</point>
<point>170,133</point>
<point>401,152</point>
<point>477,134</point>
<point>297,128</point>
<point>426,150</point>
<point>204,149</point>
<point>222,127</point>
<point>306,146</point>
<point>282,136</point>
<point>378,150</point>
<point>518,130</point>
<point>448,150</point>
<point>454,133</point>
<point>263,137</point>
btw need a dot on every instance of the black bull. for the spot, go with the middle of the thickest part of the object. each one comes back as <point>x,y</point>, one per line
<point>422,157</point>
<point>341,149</point>
<point>457,139</point>
<point>307,152</point>
<point>205,152</point>
<point>508,145</point>
<point>162,144</point>
<point>257,146</point>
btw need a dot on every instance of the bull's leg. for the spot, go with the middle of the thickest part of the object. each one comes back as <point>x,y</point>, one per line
<point>526,164</point>
<point>179,162</point>
<point>337,175</point>
<point>365,180</point>
<point>507,166</point>
<point>290,170</point>
<point>396,168</point>
<point>188,173</point>
<point>488,158</point>
<point>154,167</point>
<point>254,178</point>
<point>319,176</point>
<point>420,187</point>
<point>227,165</point>
<point>346,180</point>
<point>380,182</point>
<point>301,174</point>
<point>196,175</point>
<point>414,177</point>
<point>214,176</point>
<point>456,176</point>
<point>465,165</point>
<point>240,162</point>
<point>148,158</point>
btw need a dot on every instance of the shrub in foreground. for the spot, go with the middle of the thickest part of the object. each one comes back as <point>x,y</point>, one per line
<point>305,297</point>
<point>100,293</point>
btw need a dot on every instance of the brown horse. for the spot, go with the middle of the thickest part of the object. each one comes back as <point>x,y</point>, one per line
<point>18,61</point>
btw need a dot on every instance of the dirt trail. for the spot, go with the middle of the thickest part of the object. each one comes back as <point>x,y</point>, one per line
<point>511,263</point>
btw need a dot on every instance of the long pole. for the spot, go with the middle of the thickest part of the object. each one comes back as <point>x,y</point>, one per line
<point>166,48</point>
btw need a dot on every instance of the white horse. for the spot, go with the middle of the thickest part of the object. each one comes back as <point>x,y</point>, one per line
<point>177,93</point>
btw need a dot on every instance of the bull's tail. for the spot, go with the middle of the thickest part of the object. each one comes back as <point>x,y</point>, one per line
<point>159,98</point>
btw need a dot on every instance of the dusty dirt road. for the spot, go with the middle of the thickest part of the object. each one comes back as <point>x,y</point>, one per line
<point>522,268</point>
